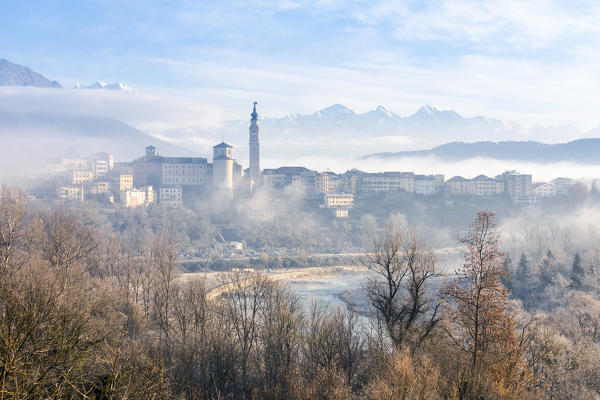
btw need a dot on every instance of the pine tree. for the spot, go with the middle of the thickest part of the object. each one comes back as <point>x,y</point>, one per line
<point>507,278</point>
<point>523,277</point>
<point>577,273</point>
<point>547,272</point>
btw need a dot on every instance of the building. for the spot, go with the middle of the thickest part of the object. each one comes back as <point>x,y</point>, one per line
<point>238,175</point>
<point>298,177</point>
<point>254,147</point>
<point>458,185</point>
<point>236,246</point>
<point>388,182</point>
<point>170,196</point>
<point>563,185</point>
<point>544,189</point>
<point>72,192</point>
<point>340,212</point>
<point>338,200</point>
<point>154,170</point>
<point>102,163</point>
<point>482,185</point>
<point>137,197</point>
<point>125,182</point>
<point>321,183</point>
<point>223,169</point>
<point>73,164</point>
<point>78,177</point>
<point>100,187</point>
<point>516,184</point>
<point>426,185</point>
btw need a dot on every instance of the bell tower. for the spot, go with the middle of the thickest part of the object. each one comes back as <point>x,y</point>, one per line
<point>254,160</point>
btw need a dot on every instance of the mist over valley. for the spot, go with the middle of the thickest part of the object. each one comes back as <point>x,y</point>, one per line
<point>295,200</point>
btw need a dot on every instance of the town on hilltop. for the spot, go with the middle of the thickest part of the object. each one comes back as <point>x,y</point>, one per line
<point>170,181</point>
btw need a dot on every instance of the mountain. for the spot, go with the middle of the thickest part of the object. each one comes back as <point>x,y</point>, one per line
<point>428,123</point>
<point>582,151</point>
<point>107,86</point>
<point>18,75</point>
<point>427,127</point>
<point>34,140</point>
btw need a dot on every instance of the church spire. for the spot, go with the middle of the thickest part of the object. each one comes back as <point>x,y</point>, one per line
<point>254,114</point>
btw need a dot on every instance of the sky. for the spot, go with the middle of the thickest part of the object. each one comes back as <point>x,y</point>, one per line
<point>533,62</point>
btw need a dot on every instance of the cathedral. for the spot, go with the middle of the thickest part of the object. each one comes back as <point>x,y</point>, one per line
<point>224,176</point>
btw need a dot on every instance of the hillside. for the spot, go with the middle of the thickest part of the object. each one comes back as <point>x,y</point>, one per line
<point>583,151</point>
<point>31,141</point>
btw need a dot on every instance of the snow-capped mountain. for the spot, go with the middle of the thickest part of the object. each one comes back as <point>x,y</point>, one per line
<point>338,129</point>
<point>12,74</point>
<point>427,126</point>
<point>107,86</point>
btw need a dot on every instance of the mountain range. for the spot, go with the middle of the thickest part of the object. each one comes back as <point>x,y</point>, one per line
<point>425,128</point>
<point>106,86</point>
<point>18,75</point>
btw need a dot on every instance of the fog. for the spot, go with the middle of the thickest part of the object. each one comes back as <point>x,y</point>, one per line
<point>565,231</point>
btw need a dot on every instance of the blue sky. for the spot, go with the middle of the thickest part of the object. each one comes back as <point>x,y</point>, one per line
<point>533,61</point>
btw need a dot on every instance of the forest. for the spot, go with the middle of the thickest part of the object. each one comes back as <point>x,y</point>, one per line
<point>93,310</point>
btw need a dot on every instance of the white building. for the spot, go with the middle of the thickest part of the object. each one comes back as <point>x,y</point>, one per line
<point>73,192</point>
<point>544,189</point>
<point>426,185</point>
<point>137,197</point>
<point>78,177</point>
<point>170,196</point>
<point>223,169</point>
<point>168,171</point>
<point>338,200</point>
<point>341,212</point>
<point>389,182</point>
<point>563,185</point>
<point>516,184</point>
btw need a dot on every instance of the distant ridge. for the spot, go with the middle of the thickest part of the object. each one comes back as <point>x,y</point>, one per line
<point>582,151</point>
<point>43,138</point>
<point>18,75</point>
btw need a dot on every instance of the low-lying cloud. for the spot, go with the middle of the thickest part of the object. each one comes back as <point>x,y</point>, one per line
<point>151,113</point>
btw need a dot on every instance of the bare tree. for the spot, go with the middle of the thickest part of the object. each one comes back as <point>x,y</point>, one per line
<point>281,338</point>
<point>332,342</point>
<point>243,306</point>
<point>404,270</point>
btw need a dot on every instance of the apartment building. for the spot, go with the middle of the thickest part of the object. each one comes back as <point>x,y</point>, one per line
<point>388,182</point>
<point>338,200</point>
<point>78,177</point>
<point>516,184</point>
<point>481,185</point>
<point>544,189</point>
<point>170,196</point>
